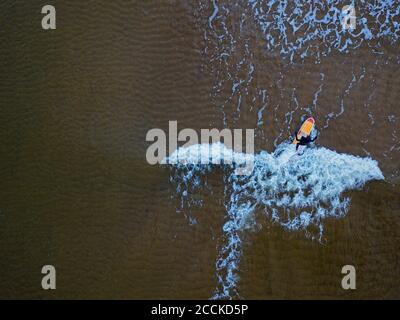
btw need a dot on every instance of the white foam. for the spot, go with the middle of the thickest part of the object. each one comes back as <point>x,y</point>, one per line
<point>215,153</point>
<point>279,21</point>
<point>295,192</point>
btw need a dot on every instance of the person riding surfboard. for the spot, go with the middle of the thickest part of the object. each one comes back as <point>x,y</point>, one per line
<point>303,141</point>
<point>303,135</point>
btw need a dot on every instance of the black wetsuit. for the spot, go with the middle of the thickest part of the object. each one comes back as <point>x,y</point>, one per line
<point>303,141</point>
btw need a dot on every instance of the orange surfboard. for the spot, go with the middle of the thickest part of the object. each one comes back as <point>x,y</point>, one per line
<point>305,129</point>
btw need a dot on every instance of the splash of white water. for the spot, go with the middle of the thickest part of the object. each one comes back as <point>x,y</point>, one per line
<point>295,192</point>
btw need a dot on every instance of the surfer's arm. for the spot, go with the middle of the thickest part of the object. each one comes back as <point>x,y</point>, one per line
<point>315,138</point>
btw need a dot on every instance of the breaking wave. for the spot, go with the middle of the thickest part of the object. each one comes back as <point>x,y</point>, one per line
<point>294,192</point>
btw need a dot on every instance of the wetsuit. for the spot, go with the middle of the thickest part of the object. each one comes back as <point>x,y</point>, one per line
<point>303,141</point>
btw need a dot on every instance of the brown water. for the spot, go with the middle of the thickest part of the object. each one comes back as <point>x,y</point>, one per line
<point>76,191</point>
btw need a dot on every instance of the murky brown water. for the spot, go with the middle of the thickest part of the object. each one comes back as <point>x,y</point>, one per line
<point>76,191</point>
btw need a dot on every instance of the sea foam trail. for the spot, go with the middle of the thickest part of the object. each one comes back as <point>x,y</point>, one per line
<point>295,192</point>
<point>305,28</point>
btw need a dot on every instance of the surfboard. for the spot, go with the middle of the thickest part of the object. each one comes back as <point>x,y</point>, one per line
<point>305,129</point>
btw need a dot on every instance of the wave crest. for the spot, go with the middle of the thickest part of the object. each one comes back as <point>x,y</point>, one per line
<point>295,192</point>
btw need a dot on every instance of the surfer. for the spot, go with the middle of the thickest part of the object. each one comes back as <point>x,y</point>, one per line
<point>304,141</point>
<point>303,135</point>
